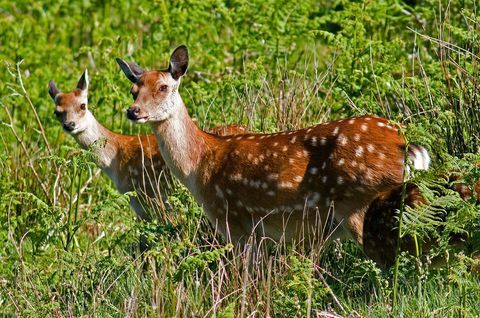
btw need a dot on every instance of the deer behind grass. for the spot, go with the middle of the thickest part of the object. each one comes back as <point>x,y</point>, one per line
<point>132,162</point>
<point>381,221</point>
<point>281,185</point>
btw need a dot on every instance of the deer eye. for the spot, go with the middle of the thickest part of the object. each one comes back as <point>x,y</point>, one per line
<point>82,106</point>
<point>163,88</point>
<point>134,94</point>
<point>57,113</point>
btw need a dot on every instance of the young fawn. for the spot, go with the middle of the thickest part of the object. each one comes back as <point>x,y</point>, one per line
<point>132,162</point>
<point>280,185</point>
<point>381,221</point>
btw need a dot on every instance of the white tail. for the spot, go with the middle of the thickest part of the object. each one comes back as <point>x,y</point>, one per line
<point>132,162</point>
<point>279,185</point>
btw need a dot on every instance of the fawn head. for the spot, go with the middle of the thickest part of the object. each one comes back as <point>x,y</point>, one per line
<point>155,93</point>
<point>71,108</point>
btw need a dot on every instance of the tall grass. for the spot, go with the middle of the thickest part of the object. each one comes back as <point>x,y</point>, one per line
<point>68,240</point>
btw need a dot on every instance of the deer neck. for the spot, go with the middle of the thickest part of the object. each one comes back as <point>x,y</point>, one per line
<point>182,144</point>
<point>99,139</point>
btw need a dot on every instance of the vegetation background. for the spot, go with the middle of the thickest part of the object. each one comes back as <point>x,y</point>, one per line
<point>68,239</point>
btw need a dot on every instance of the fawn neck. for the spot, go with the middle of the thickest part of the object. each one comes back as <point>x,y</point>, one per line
<point>182,144</point>
<point>106,148</point>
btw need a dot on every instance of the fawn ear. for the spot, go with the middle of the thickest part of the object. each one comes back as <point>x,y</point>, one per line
<point>178,62</point>
<point>83,81</point>
<point>53,90</point>
<point>131,70</point>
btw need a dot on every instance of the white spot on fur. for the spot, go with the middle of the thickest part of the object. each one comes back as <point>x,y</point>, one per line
<point>313,199</point>
<point>285,184</point>
<point>364,127</point>
<point>369,174</point>
<point>219,192</point>
<point>359,151</point>
<point>335,131</point>
<point>356,137</point>
<point>273,176</point>
<point>360,189</point>
<point>236,177</point>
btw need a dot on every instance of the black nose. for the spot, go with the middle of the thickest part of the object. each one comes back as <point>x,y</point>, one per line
<point>132,112</point>
<point>69,126</point>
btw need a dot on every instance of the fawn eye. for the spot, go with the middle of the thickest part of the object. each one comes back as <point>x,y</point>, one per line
<point>57,113</point>
<point>163,88</point>
<point>82,106</point>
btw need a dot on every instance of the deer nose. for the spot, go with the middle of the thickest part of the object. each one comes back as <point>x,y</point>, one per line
<point>133,112</point>
<point>70,126</point>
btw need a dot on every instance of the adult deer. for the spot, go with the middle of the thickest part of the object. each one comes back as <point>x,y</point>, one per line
<point>381,221</point>
<point>280,185</point>
<point>132,162</point>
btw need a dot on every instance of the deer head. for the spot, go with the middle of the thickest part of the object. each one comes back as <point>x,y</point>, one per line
<point>155,93</point>
<point>71,109</point>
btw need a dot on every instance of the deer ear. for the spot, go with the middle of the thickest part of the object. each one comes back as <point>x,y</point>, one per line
<point>131,70</point>
<point>83,81</point>
<point>178,62</point>
<point>53,90</point>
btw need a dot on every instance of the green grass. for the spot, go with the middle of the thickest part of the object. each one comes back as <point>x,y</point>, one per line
<point>68,239</point>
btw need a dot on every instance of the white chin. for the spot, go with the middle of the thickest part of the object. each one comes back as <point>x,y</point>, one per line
<point>141,121</point>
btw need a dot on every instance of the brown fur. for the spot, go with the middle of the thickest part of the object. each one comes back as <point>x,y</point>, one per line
<point>381,223</point>
<point>137,164</point>
<point>282,185</point>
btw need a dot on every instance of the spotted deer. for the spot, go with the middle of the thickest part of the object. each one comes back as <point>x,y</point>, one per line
<point>381,221</point>
<point>280,185</point>
<point>132,162</point>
